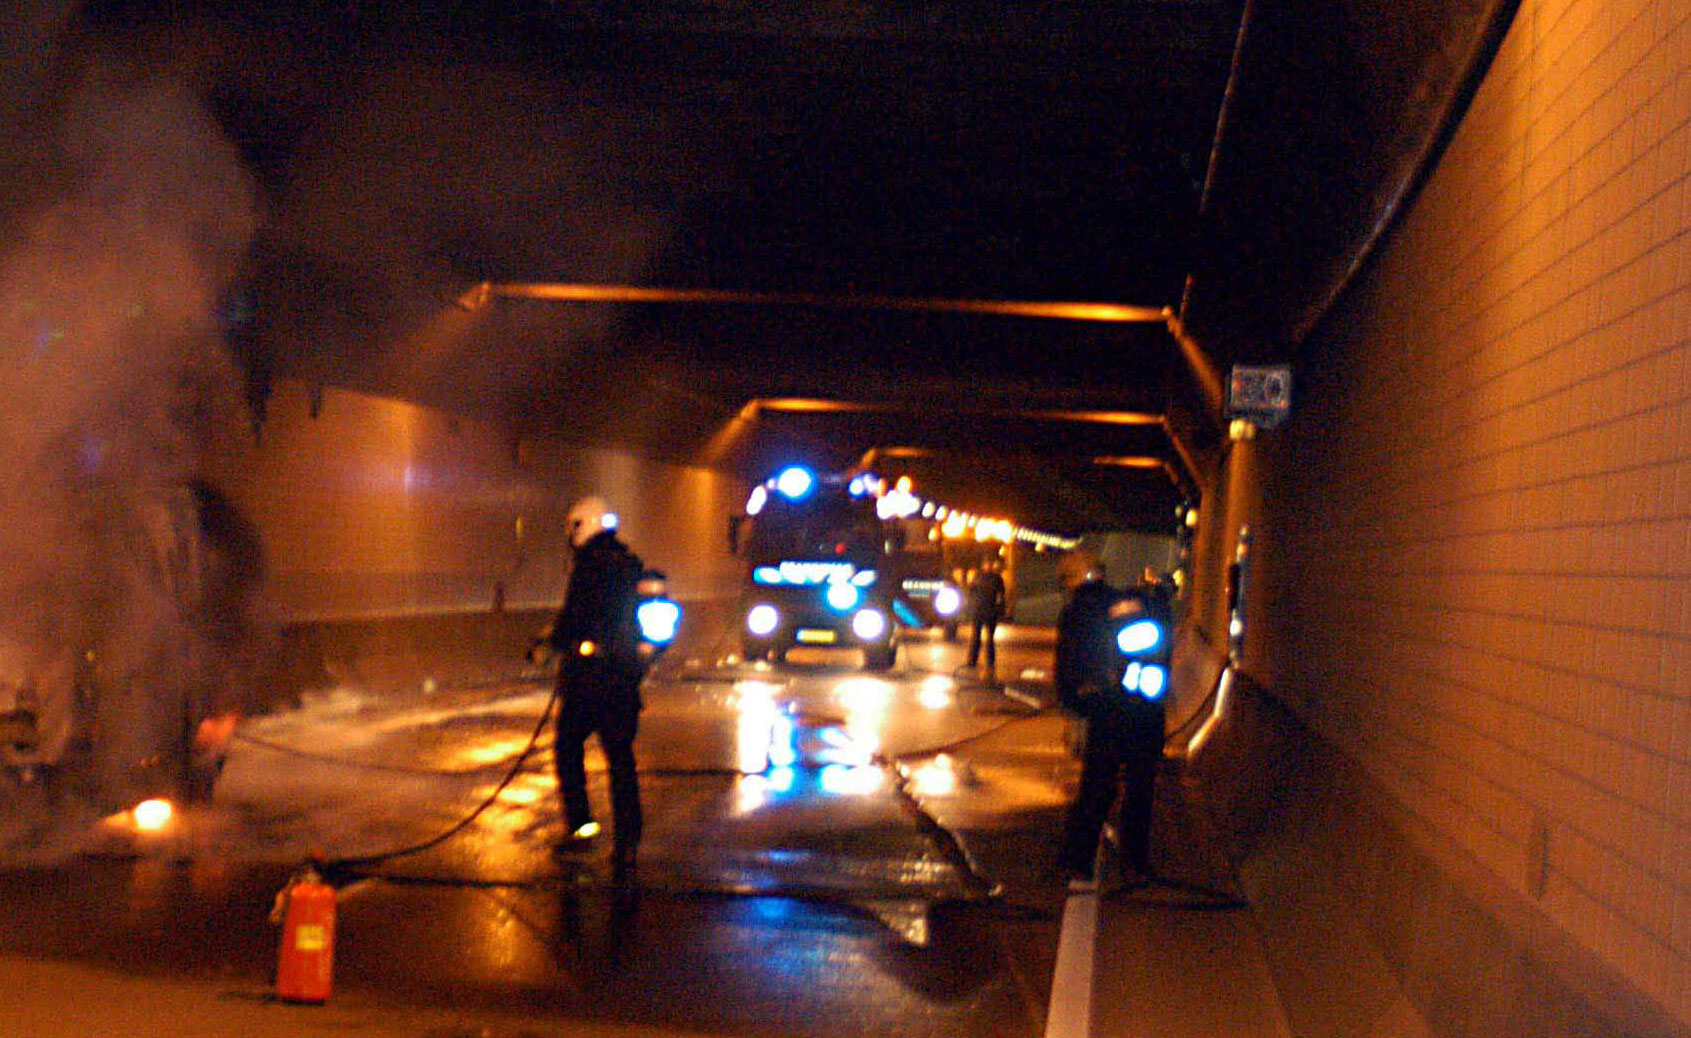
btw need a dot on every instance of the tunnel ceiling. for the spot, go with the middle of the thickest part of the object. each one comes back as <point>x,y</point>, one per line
<point>844,181</point>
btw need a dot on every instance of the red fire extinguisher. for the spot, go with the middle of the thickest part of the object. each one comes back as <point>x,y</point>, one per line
<point>306,910</point>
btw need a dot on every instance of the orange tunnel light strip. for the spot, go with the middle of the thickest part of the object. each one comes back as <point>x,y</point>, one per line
<point>1090,312</point>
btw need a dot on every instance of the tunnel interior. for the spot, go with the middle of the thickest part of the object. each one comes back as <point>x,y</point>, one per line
<point>398,284</point>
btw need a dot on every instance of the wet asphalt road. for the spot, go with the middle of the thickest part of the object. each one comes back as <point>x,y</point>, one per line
<point>827,852</point>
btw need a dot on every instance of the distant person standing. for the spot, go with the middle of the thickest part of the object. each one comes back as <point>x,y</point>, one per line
<point>986,610</point>
<point>1124,732</point>
<point>597,640</point>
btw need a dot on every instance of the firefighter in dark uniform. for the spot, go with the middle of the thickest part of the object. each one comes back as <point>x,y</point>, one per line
<point>1124,731</point>
<point>600,668</point>
<point>986,609</point>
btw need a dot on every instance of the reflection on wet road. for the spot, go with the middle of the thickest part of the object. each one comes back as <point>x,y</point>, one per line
<point>824,853</point>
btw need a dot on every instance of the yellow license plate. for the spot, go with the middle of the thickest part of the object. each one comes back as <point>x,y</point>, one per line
<point>810,637</point>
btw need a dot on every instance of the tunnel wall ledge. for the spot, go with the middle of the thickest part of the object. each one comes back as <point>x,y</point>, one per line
<point>1372,924</point>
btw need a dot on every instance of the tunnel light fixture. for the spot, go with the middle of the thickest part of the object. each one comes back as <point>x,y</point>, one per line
<point>1057,310</point>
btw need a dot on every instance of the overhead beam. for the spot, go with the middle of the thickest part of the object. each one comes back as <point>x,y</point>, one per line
<point>819,405</point>
<point>567,292</point>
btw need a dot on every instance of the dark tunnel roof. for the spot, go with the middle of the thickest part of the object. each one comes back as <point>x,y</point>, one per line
<point>845,176</point>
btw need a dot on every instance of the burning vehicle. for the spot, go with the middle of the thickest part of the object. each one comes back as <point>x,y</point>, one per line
<point>123,670</point>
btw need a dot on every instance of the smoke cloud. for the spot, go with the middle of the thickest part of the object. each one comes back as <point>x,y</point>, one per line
<point>113,378</point>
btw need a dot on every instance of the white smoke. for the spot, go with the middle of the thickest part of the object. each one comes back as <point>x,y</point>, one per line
<point>112,378</point>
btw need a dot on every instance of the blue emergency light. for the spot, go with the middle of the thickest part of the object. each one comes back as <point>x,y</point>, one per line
<point>1138,639</point>
<point>842,597</point>
<point>1146,679</point>
<point>795,482</point>
<point>1140,636</point>
<point>659,620</point>
<point>656,614</point>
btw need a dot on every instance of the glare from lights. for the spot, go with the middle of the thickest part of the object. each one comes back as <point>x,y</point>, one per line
<point>611,520</point>
<point>755,731</point>
<point>936,778</point>
<point>762,619</point>
<point>842,597</point>
<point>904,484</point>
<point>751,792</point>
<point>849,780</point>
<point>947,601</point>
<point>759,498</point>
<point>491,752</point>
<point>864,695</point>
<point>153,815</point>
<point>794,482</point>
<point>928,510</point>
<point>869,624</point>
<point>659,619</point>
<point>1139,636</point>
<point>1148,680</point>
<point>1152,681</point>
<point>783,744</point>
<point>519,795</point>
<point>935,693</point>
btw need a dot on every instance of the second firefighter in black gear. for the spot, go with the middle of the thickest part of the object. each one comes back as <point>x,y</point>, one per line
<point>600,667</point>
<point>986,609</point>
<point>1124,731</point>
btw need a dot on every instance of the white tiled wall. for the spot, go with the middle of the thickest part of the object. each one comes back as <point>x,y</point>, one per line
<point>1486,556</point>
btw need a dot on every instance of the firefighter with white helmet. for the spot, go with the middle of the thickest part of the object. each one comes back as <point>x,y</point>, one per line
<point>601,663</point>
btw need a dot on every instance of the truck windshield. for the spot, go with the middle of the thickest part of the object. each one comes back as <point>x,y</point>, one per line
<point>822,526</point>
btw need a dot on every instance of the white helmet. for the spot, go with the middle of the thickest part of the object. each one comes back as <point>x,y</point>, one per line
<point>586,518</point>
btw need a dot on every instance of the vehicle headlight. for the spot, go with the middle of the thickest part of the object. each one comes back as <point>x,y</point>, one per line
<point>1139,636</point>
<point>762,619</point>
<point>842,596</point>
<point>869,624</point>
<point>947,601</point>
